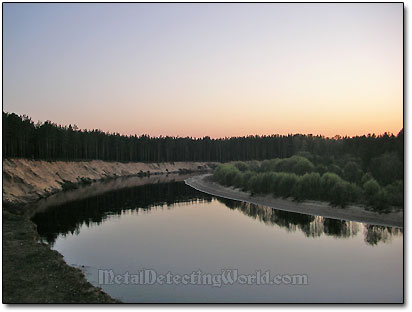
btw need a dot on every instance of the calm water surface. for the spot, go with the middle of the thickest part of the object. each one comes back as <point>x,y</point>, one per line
<point>169,227</point>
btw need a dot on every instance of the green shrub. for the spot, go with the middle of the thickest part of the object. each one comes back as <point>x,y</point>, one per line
<point>275,184</point>
<point>226,174</point>
<point>241,166</point>
<point>352,172</point>
<point>295,164</point>
<point>269,165</point>
<point>337,196</point>
<point>286,183</point>
<point>321,169</point>
<point>307,186</point>
<point>266,183</point>
<point>371,188</point>
<point>238,179</point>
<point>254,166</point>
<point>366,177</point>
<point>373,192</point>
<point>302,166</point>
<point>245,179</point>
<point>327,182</point>
<point>297,176</point>
<point>351,192</point>
<point>394,193</point>
<point>335,169</point>
<point>252,184</point>
<point>387,168</point>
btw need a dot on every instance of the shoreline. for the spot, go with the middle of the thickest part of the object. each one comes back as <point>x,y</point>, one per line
<point>35,273</point>
<point>32,271</point>
<point>315,208</point>
<point>26,180</point>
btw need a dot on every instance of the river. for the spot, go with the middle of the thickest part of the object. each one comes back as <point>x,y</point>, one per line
<point>166,242</point>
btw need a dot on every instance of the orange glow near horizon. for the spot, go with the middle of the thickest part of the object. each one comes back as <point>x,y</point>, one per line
<point>323,69</point>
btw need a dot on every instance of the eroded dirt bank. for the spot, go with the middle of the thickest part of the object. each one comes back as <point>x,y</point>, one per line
<point>32,272</point>
<point>352,213</point>
<point>26,180</point>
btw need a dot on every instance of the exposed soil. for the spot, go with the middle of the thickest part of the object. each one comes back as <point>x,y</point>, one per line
<point>32,272</point>
<point>26,180</point>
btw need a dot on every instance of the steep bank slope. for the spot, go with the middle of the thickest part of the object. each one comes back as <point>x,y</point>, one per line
<point>316,208</point>
<point>26,180</point>
<point>32,272</point>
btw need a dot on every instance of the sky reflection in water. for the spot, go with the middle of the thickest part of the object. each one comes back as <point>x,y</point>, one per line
<point>172,227</point>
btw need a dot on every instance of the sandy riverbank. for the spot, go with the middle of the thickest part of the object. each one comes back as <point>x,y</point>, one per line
<point>352,213</point>
<point>101,187</point>
<point>32,272</point>
<point>27,180</point>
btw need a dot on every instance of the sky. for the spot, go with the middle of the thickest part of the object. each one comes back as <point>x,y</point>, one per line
<point>215,70</point>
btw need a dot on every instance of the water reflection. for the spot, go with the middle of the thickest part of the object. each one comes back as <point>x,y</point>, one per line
<point>374,234</point>
<point>70,216</point>
<point>314,226</point>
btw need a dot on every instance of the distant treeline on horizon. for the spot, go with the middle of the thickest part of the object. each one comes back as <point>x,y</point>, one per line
<point>49,141</point>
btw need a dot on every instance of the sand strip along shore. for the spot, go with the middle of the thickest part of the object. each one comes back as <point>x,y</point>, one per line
<point>315,208</point>
<point>26,180</point>
<point>32,272</point>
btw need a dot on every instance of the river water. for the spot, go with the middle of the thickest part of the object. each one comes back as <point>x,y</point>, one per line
<point>166,242</point>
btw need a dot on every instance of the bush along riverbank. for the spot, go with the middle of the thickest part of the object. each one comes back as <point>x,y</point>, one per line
<point>340,182</point>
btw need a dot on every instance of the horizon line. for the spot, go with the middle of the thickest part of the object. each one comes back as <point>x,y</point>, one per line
<point>336,136</point>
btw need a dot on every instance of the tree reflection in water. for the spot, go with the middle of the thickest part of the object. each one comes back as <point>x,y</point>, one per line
<point>374,234</point>
<point>314,226</point>
<point>69,217</point>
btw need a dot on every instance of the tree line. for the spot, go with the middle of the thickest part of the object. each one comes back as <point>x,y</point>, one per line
<point>49,141</point>
<point>340,181</point>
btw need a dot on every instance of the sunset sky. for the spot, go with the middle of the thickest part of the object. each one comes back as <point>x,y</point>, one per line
<point>207,69</point>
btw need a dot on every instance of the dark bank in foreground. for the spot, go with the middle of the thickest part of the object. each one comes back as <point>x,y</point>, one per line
<point>32,272</point>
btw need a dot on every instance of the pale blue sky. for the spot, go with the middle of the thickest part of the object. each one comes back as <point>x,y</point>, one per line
<point>206,69</point>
